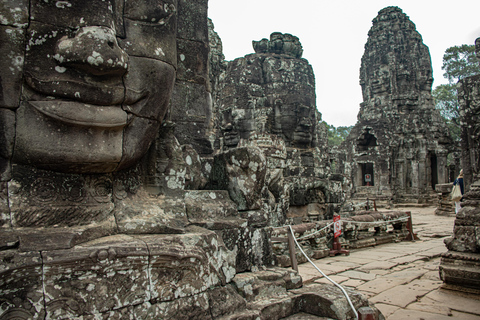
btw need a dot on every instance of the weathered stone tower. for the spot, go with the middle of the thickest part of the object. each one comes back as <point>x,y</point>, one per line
<point>267,100</point>
<point>460,266</point>
<point>398,148</point>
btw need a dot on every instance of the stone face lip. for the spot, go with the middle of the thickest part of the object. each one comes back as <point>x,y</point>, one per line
<point>97,93</point>
<point>82,114</point>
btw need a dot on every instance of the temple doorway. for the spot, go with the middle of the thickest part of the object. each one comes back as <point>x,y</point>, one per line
<point>433,170</point>
<point>367,176</point>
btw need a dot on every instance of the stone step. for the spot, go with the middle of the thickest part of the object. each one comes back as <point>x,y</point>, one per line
<point>268,298</point>
<point>262,285</point>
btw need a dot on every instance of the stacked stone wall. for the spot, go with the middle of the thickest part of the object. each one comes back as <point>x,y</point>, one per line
<point>461,264</point>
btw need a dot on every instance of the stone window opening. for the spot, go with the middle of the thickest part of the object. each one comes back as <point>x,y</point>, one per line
<point>366,140</point>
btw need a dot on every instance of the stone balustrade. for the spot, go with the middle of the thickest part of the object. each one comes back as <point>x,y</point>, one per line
<point>366,228</point>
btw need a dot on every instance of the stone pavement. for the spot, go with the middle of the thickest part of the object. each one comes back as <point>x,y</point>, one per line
<point>402,279</point>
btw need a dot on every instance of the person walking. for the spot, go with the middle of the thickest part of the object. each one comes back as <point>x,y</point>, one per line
<point>459,182</point>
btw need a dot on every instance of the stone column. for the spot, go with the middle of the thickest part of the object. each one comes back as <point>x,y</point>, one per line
<point>442,170</point>
<point>460,266</point>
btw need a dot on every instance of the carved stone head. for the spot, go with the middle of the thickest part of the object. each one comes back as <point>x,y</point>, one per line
<point>294,123</point>
<point>279,43</point>
<point>97,79</point>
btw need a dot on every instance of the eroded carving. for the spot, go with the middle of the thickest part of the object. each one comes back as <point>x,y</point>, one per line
<point>95,86</point>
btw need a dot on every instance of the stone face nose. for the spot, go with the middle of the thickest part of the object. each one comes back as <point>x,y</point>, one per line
<point>93,50</point>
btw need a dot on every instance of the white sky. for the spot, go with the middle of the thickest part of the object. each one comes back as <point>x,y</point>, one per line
<point>333,34</point>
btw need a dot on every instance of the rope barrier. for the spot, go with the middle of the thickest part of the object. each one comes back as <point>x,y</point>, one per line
<point>318,231</point>
<point>323,274</point>
<point>329,226</point>
<point>374,223</point>
<point>378,222</point>
<point>358,203</point>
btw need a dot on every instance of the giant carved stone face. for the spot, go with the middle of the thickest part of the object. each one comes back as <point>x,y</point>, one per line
<point>97,79</point>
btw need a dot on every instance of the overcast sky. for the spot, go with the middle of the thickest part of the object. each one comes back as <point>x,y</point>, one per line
<point>333,34</point>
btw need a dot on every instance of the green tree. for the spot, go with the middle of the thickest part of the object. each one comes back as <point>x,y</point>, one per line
<point>337,135</point>
<point>446,100</point>
<point>458,62</point>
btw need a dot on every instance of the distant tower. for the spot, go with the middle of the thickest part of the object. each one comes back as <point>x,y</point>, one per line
<point>398,148</point>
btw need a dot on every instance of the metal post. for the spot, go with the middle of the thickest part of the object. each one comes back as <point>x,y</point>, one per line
<point>411,236</point>
<point>291,250</point>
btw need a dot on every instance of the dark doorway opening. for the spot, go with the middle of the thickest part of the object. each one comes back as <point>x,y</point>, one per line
<point>367,174</point>
<point>434,170</point>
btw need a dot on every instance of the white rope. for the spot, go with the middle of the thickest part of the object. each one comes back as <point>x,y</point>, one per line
<point>323,274</point>
<point>314,233</point>
<point>377,222</point>
<point>358,204</point>
<point>374,223</point>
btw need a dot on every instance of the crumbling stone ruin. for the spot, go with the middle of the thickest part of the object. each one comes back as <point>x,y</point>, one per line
<point>398,149</point>
<point>142,176</point>
<point>121,197</point>
<point>460,266</point>
<point>266,100</point>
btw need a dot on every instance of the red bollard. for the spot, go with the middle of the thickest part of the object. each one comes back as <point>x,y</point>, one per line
<point>337,231</point>
<point>366,313</point>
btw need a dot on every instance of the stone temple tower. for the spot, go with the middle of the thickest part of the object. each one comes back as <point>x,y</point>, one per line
<point>398,148</point>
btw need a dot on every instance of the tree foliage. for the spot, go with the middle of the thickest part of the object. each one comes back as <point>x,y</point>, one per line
<point>458,62</point>
<point>337,135</point>
<point>446,100</point>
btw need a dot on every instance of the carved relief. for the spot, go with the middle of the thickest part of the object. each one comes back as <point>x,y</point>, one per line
<point>95,88</point>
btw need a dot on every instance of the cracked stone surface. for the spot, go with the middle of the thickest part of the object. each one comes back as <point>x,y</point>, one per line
<point>408,289</point>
